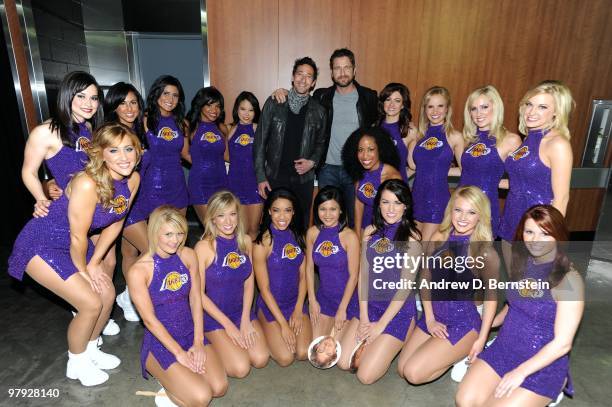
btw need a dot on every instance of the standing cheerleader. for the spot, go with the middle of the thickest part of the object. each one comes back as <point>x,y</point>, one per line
<point>164,181</point>
<point>123,104</point>
<point>206,148</point>
<point>431,155</point>
<point>539,170</point>
<point>488,145</point>
<point>278,260</point>
<point>386,316</point>
<point>57,253</point>
<point>528,363</point>
<point>370,158</point>
<point>165,287</point>
<point>224,255</point>
<point>395,117</point>
<point>334,248</point>
<point>241,178</point>
<point>450,327</point>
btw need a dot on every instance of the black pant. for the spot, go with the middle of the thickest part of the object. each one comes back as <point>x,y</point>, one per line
<point>303,193</point>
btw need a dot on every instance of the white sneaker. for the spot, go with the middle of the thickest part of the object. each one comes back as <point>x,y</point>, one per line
<point>82,368</point>
<point>459,370</point>
<point>111,328</point>
<point>129,312</point>
<point>102,360</point>
<point>161,400</point>
<point>557,401</point>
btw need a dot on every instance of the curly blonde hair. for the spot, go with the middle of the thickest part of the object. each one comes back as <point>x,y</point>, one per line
<point>108,135</point>
<point>564,103</point>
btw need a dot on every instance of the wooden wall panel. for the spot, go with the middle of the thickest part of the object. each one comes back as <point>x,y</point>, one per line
<point>313,28</point>
<point>243,48</point>
<point>584,209</point>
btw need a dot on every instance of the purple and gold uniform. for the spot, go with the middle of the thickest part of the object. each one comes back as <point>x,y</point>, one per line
<point>68,161</point>
<point>241,176</point>
<point>207,174</point>
<point>366,192</point>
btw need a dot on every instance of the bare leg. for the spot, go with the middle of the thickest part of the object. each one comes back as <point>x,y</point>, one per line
<point>413,343</point>
<point>304,339</point>
<point>108,300</point>
<point>436,356</point>
<point>235,360</point>
<point>259,354</point>
<point>427,230</point>
<point>519,398</point>
<point>477,386</point>
<point>377,358</point>
<point>134,242</point>
<point>201,212</point>
<point>110,259</point>
<point>323,327</point>
<point>348,342</point>
<point>253,217</point>
<point>278,348</point>
<point>78,293</point>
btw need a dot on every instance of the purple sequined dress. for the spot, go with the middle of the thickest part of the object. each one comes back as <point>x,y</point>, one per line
<point>432,156</point>
<point>169,292</point>
<point>481,166</point>
<point>68,161</point>
<point>528,327</point>
<point>225,279</point>
<point>382,244</point>
<point>49,237</point>
<point>394,131</point>
<point>241,176</point>
<point>453,308</point>
<point>530,183</point>
<point>366,192</point>
<point>163,182</point>
<point>283,272</point>
<point>207,174</point>
<point>331,258</point>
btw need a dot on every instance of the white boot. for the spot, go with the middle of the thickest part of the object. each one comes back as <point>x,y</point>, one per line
<point>162,400</point>
<point>111,328</point>
<point>82,368</point>
<point>557,401</point>
<point>460,368</point>
<point>100,359</point>
<point>129,312</point>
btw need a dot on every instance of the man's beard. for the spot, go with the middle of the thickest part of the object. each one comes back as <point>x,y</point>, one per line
<point>342,85</point>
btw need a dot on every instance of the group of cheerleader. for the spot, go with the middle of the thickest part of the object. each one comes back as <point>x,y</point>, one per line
<point>202,322</point>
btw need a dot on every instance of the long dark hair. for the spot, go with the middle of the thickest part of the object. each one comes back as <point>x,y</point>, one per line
<point>296,224</point>
<point>407,228</point>
<point>61,121</point>
<point>552,222</point>
<point>387,153</point>
<point>156,90</point>
<point>205,96</point>
<point>329,193</point>
<point>114,97</point>
<point>405,115</point>
<point>248,96</point>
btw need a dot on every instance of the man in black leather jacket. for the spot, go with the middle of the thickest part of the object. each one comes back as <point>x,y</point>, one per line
<point>290,139</point>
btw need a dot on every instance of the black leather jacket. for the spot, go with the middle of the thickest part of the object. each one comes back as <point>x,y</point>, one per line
<point>269,138</point>
<point>367,108</point>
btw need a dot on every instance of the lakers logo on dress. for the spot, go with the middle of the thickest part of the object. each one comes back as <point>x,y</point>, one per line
<point>119,205</point>
<point>382,245</point>
<point>210,137</point>
<point>368,190</point>
<point>174,281</point>
<point>244,140</point>
<point>431,143</point>
<point>478,150</point>
<point>326,248</point>
<point>531,292</point>
<point>520,153</point>
<point>290,251</point>
<point>167,133</point>
<point>82,144</point>
<point>233,260</point>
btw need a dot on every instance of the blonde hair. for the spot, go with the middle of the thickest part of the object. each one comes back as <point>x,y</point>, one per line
<point>162,215</point>
<point>423,121</point>
<point>497,129</point>
<point>219,202</point>
<point>564,103</point>
<point>108,135</point>
<point>482,234</point>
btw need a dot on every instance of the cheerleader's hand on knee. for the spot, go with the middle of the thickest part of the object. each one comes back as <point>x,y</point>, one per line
<point>314,309</point>
<point>186,360</point>
<point>509,382</point>
<point>437,329</point>
<point>363,329</point>
<point>288,336</point>
<point>197,354</point>
<point>340,319</point>
<point>248,333</point>
<point>477,347</point>
<point>374,332</point>
<point>295,321</point>
<point>235,335</point>
<point>99,278</point>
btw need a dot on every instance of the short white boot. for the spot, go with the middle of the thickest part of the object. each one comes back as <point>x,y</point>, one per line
<point>82,368</point>
<point>100,359</point>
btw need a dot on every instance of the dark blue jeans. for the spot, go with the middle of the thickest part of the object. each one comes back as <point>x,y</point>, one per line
<point>336,175</point>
